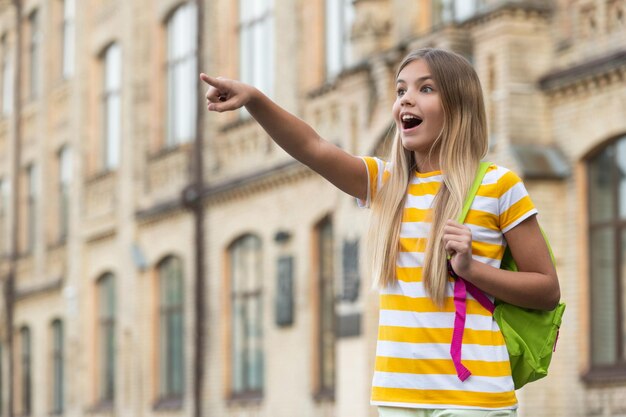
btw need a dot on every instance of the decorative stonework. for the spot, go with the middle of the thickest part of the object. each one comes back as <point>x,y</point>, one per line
<point>60,102</point>
<point>616,15</point>
<point>260,181</point>
<point>100,198</point>
<point>600,73</point>
<point>527,11</point>
<point>588,20</point>
<point>371,27</point>
<point>241,147</point>
<point>608,401</point>
<point>167,173</point>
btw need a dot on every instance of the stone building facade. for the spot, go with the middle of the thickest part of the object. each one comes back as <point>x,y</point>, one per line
<point>131,288</point>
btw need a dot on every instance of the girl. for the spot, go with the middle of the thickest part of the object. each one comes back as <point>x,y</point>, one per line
<point>440,139</point>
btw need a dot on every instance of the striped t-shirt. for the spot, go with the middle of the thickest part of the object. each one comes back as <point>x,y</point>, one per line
<point>413,367</point>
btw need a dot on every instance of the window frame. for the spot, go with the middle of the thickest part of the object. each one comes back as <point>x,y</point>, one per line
<point>106,325</point>
<point>4,215</point>
<point>256,31</point>
<point>111,101</point>
<point>447,11</point>
<point>326,311</point>
<point>171,269</point>
<point>65,176</point>
<point>249,248</point>
<point>68,41</point>
<point>34,53</point>
<point>58,364</point>
<point>31,206</point>
<point>338,20</point>
<point>615,370</point>
<point>181,112</point>
<point>26,374</point>
<point>6,73</point>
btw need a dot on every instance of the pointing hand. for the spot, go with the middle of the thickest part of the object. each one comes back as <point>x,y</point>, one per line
<point>225,95</point>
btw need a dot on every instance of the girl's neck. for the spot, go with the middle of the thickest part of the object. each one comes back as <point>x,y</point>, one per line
<point>426,163</point>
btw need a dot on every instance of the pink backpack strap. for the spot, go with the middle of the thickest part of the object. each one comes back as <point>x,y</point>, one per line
<point>460,305</point>
<point>461,288</point>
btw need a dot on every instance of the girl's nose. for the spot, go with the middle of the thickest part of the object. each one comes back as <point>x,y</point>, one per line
<point>406,99</point>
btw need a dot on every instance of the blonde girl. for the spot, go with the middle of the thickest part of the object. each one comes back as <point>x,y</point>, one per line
<point>440,138</point>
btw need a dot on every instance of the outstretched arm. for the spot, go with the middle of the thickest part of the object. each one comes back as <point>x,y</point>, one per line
<point>297,138</point>
<point>535,285</point>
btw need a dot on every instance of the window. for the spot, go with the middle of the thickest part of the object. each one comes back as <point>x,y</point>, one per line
<point>34,52</point>
<point>67,33</point>
<point>7,77</point>
<point>446,11</point>
<point>339,18</point>
<point>106,338</point>
<point>607,244</point>
<point>111,106</point>
<point>1,379</point>
<point>31,207</point>
<point>26,372</point>
<point>181,75</point>
<point>65,174</point>
<point>493,98</point>
<point>256,37</point>
<point>326,308</point>
<point>4,206</point>
<point>57,367</point>
<point>171,324</point>
<point>247,315</point>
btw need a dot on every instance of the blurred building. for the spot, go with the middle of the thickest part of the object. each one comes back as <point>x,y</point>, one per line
<point>111,248</point>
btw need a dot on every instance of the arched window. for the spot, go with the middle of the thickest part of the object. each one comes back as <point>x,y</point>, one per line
<point>171,325</point>
<point>607,257</point>
<point>247,316</point>
<point>57,360</point>
<point>106,337</point>
<point>26,372</point>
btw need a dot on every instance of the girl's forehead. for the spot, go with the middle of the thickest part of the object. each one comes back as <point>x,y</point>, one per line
<point>413,70</point>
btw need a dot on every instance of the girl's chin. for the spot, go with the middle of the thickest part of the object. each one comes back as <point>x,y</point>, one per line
<point>415,145</point>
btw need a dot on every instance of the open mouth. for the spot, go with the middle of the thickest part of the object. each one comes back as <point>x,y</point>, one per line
<point>409,121</point>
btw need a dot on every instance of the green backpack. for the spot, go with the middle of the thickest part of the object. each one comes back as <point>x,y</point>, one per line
<point>530,335</point>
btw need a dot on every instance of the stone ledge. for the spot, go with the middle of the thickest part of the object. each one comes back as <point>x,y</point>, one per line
<point>562,79</point>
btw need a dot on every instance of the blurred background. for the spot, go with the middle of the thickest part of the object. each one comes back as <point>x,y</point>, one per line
<point>158,260</point>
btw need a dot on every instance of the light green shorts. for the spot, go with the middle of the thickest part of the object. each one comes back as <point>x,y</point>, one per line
<point>420,412</point>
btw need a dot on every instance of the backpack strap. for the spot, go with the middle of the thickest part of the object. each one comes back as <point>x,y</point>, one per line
<point>462,287</point>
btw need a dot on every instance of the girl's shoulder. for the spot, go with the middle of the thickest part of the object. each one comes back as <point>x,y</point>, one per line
<point>498,174</point>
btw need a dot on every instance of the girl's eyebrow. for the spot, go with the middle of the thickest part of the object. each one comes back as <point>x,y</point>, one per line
<point>419,80</point>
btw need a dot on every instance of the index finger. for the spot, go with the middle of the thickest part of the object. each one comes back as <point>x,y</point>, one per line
<point>211,80</point>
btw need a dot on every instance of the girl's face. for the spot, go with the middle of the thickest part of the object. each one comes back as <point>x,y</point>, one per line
<point>417,110</point>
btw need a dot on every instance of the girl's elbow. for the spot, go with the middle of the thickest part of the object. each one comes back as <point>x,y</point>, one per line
<point>553,296</point>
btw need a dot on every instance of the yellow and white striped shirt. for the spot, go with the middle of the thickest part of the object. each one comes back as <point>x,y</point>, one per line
<point>413,364</point>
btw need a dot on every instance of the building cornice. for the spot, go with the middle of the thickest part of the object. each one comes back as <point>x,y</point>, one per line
<point>52,285</point>
<point>234,188</point>
<point>525,9</point>
<point>241,187</point>
<point>595,69</point>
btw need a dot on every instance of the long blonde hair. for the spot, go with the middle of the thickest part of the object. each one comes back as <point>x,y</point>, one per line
<point>460,146</point>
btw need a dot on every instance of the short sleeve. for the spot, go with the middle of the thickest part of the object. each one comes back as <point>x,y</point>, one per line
<point>514,203</point>
<point>377,171</point>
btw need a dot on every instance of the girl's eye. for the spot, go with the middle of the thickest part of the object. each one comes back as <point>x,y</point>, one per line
<point>400,92</point>
<point>427,89</point>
